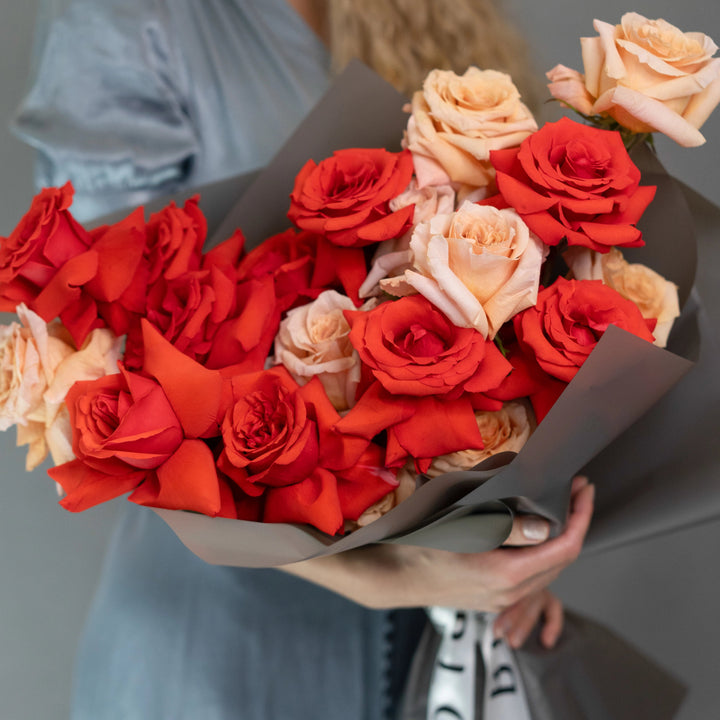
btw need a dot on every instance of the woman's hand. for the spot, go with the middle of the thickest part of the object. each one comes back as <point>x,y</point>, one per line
<point>391,576</point>
<point>517,622</point>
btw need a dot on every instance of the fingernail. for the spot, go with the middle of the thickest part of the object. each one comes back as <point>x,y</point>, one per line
<point>592,493</point>
<point>535,529</point>
<point>515,640</point>
<point>581,481</point>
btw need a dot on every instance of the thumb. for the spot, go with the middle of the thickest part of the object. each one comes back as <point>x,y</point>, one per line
<point>528,530</point>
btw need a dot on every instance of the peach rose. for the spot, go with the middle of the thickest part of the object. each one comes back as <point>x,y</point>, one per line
<point>30,351</point>
<point>393,257</point>
<point>655,296</point>
<point>406,479</point>
<point>38,365</point>
<point>479,266</point>
<point>568,86</point>
<point>505,430</point>
<point>314,340</point>
<point>650,76</point>
<point>456,120</point>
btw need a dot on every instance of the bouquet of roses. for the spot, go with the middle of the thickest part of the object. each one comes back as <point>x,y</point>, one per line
<point>426,311</point>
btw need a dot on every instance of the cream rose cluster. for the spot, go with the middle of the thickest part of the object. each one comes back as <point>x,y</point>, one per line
<point>456,120</point>
<point>646,74</point>
<point>656,297</point>
<point>38,365</point>
<point>479,266</point>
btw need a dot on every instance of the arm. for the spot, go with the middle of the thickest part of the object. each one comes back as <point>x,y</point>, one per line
<point>392,576</point>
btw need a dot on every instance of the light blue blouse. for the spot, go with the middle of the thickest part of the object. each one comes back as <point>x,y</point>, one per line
<point>134,99</point>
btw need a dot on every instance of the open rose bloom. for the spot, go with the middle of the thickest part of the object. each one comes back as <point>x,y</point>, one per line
<point>646,74</point>
<point>269,416</point>
<point>457,120</point>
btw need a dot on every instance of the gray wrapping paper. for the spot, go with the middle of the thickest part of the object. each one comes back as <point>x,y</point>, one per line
<point>591,674</point>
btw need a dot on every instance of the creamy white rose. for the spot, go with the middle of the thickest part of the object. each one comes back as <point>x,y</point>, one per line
<point>479,266</point>
<point>313,340</point>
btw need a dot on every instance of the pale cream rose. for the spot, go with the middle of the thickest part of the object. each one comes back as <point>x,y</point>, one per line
<point>568,86</point>
<point>505,430</point>
<point>655,296</point>
<point>393,257</point>
<point>98,357</point>
<point>30,352</point>
<point>456,120</point>
<point>650,76</point>
<point>314,341</point>
<point>479,266</point>
<point>406,479</point>
<point>38,364</point>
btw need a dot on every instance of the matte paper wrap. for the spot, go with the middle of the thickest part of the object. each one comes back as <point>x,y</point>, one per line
<point>468,511</point>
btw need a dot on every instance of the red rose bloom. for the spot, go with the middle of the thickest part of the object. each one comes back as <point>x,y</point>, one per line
<point>175,239</point>
<point>303,264</point>
<point>279,443</point>
<point>573,182</point>
<point>413,349</point>
<point>569,319</point>
<point>123,426</point>
<point>46,240</point>
<point>345,197</point>
<point>427,372</point>
<point>269,440</point>
<point>208,316</point>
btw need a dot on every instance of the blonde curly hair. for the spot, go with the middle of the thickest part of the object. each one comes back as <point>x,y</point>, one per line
<point>403,40</point>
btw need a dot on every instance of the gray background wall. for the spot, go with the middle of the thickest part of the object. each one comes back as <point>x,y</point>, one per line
<point>662,594</point>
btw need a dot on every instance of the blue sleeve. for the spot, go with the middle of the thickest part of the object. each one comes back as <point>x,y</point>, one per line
<point>106,108</point>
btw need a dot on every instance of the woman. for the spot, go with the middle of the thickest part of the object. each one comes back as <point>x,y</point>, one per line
<point>142,98</point>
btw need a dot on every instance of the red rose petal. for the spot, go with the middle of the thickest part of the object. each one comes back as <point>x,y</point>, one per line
<point>314,501</point>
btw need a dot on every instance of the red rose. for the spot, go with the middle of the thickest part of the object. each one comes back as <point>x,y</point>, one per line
<point>413,349</point>
<point>45,261</point>
<point>43,242</point>
<point>345,197</point>
<point>326,499</point>
<point>118,289</point>
<point>303,264</point>
<point>58,269</point>
<point>574,182</point>
<point>569,319</point>
<point>175,239</point>
<point>269,439</point>
<point>123,426</point>
<point>279,442</point>
<point>208,316</point>
<point>427,374</point>
<point>132,432</point>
